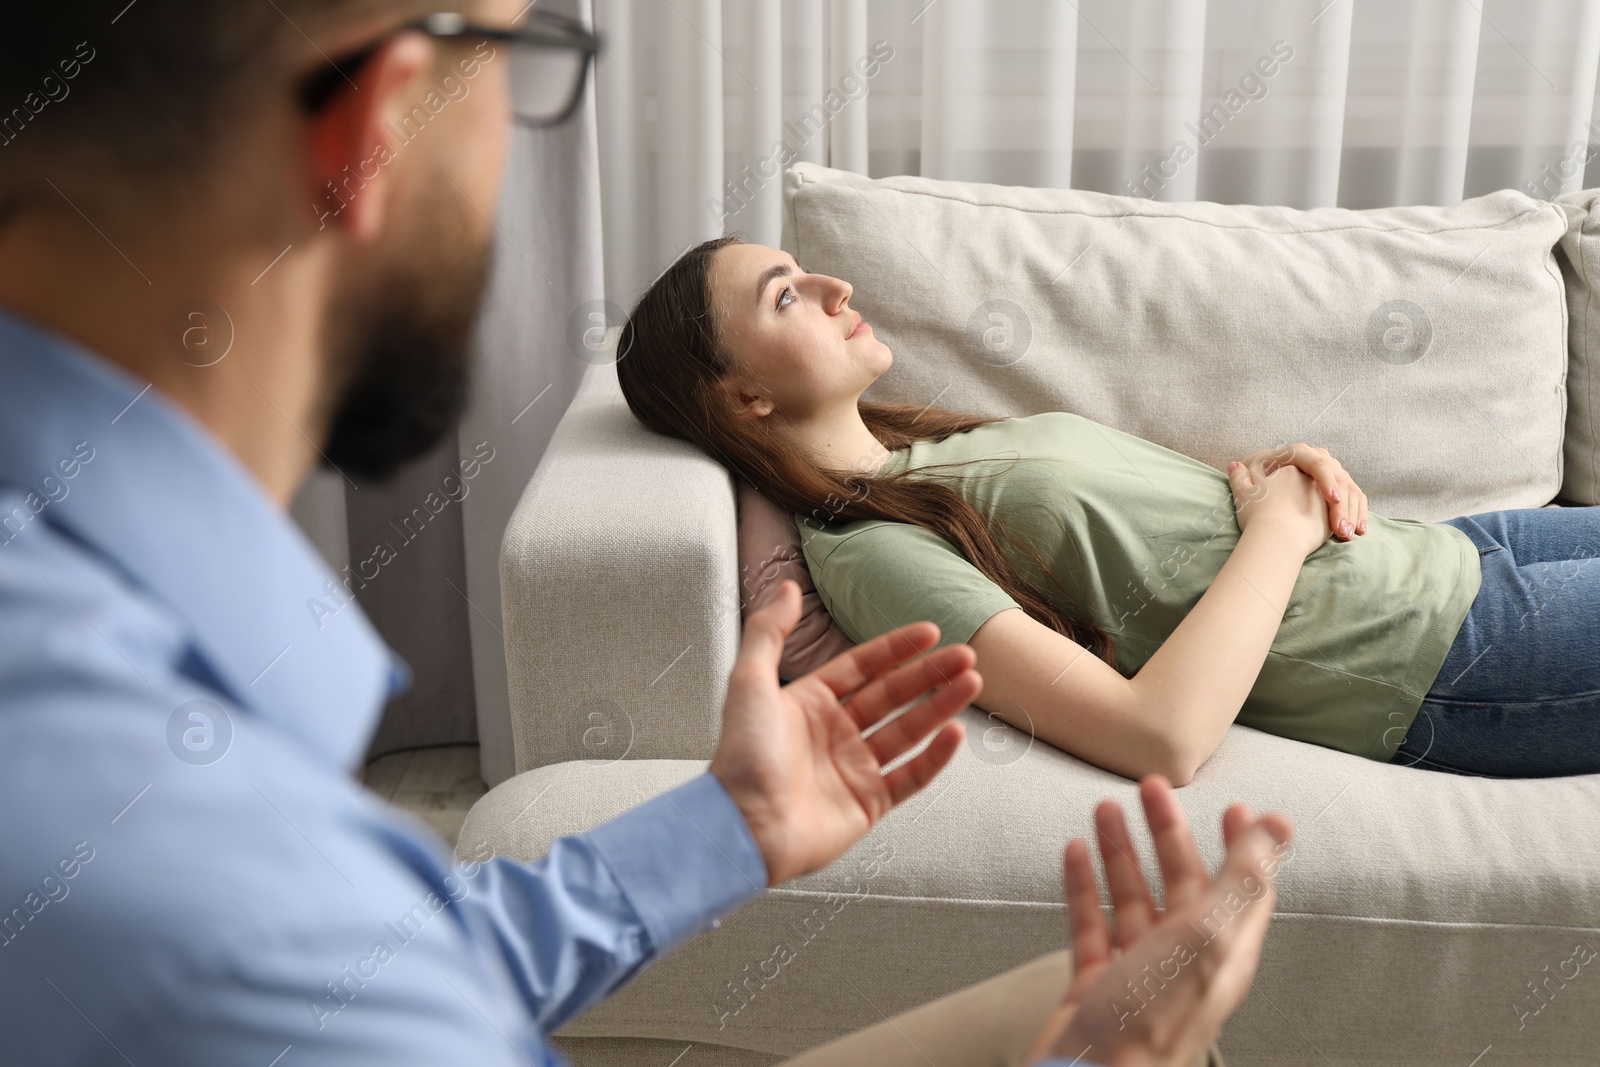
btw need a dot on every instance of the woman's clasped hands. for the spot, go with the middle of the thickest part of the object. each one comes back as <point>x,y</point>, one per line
<point>1317,496</point>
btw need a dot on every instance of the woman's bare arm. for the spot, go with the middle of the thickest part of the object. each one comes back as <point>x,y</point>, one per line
<point>1170,716</point>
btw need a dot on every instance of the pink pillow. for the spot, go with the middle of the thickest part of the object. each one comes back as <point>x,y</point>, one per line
<point>769,552</point>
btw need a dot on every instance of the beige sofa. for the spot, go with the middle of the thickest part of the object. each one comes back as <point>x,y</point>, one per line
<point>1444,355</point>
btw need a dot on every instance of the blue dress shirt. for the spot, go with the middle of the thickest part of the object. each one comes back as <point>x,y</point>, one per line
<point>189,873</point>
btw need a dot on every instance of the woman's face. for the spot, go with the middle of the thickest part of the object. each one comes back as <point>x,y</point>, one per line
<point>796,345</point>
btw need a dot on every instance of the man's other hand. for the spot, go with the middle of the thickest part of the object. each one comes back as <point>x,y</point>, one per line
<point>1160,996</point>
<point>794,758</point>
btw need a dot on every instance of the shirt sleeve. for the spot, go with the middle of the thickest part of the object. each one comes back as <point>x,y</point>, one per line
<point>230,912</point>
<point>890,574</point>
<point>577,924</point>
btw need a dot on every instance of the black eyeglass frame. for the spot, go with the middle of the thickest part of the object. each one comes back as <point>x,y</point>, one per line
<point>544,29</point>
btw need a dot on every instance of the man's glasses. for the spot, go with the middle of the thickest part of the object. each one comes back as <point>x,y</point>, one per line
<point>549,62</point>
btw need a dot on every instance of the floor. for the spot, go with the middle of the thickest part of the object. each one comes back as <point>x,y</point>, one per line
<point>436,784</point>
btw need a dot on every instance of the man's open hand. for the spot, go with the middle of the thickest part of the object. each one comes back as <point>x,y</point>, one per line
<point>793,758</point>
<point>1202,950</point>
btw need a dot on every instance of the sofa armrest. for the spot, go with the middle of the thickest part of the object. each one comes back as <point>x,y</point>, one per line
<point>619,591</point>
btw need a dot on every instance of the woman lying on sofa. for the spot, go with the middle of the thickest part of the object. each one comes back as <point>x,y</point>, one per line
<point>1126,602</point>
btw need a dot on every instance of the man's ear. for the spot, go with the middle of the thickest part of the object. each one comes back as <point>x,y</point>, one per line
<point>352,146</point>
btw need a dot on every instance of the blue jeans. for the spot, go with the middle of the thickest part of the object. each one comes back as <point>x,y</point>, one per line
<point>1519,693</point>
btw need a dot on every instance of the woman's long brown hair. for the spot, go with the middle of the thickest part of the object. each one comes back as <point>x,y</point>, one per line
<point>670,362</point>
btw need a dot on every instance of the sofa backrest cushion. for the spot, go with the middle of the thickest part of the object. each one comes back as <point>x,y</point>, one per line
<point>1424,347</point>
<point>1579,259</point>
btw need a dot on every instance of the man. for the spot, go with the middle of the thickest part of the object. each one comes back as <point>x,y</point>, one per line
<point>218,266</point>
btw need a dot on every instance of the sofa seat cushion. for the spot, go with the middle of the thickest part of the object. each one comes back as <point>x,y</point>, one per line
<point>1414,908</point>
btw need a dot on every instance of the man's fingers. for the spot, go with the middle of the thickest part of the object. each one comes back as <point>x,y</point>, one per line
<point>1278,825</point>
<point>1182,869</point>
<point>1245,846</point>
<point>1238,965</point>
<point>1247,869</point>
<point>917,772</point>
<point>1131,902</point>
<point>906,682</point>
<point>1236,819</point>
<point>1249,847</point>
<point>851,670</point>
<point>1246,876</point>
<point>1229,959</point>
<point>761,644</point>
<point>1086,923</point>
<point>907,731</point>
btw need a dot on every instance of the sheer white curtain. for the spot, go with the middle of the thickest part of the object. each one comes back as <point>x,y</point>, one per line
<point>1297,103</point>
<point>697,105</point>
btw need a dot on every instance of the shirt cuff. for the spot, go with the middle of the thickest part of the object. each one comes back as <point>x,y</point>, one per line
<point>683,859</point>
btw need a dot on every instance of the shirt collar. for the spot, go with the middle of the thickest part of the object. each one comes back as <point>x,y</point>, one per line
<point>190,524</point>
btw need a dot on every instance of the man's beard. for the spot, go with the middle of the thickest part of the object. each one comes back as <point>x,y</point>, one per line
<point>406,344</point>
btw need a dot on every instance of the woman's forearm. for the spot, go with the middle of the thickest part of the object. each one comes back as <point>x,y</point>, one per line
<point>1199,677</point>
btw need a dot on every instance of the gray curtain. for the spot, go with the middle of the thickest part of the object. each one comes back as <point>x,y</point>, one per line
<point>435,592</point>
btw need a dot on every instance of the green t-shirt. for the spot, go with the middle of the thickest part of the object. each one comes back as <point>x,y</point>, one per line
<point>1136,533</point>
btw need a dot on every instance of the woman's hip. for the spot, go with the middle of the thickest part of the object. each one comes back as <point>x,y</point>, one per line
<point>1532,632</point>
<point>1519,692</point>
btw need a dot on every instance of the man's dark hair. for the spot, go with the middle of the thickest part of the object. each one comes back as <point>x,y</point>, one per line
<point>127,91</point>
